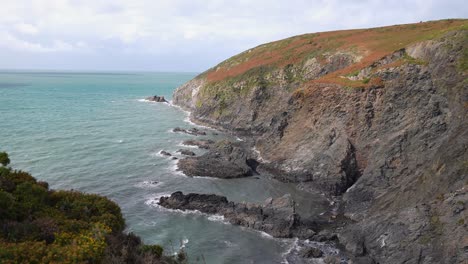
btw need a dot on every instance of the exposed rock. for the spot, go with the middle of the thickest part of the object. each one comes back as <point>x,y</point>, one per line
<point>393,150</point>
<point>186,152</point>
<point>191,131</point>
<point>155,98</point>
<point>276,217</point>
<point>203,143</point>
<point>311,252</point>
<point>165,153</point>
<point>224,160</point>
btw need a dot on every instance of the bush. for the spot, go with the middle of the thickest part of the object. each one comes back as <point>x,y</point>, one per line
<point>4,160</point>
<point>156,250</point>
<point>38,225</point>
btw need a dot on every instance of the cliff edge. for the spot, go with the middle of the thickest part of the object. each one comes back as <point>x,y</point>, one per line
<point>376,117</point>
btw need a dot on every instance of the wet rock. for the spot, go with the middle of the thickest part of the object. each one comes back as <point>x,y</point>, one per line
<point>155,98</point>
<point>311,252</point>
<point>276,217</point>
<point>165,153</point>
<point>186,152</point>
<point>203,143</point>
<point>224,160</point>
<point>192,131</point>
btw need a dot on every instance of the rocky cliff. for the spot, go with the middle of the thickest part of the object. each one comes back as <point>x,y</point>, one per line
<point>376,117</point>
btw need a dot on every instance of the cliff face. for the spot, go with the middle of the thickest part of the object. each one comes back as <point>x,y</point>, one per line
<point>377,117</point>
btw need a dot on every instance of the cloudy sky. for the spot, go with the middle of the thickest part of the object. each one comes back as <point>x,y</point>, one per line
<point>177,35</point>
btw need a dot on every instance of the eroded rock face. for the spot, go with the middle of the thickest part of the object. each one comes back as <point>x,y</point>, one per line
<point>394,151</point>
<point>276,217</point>
<point>225,160</point>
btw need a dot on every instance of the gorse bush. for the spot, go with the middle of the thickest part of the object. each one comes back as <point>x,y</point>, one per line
<point>38,225</point>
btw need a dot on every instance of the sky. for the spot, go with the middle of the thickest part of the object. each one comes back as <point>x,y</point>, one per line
<point>178,35</point>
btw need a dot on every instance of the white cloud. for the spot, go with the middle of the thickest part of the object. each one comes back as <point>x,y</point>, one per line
<point>11,42</point>
<point>26,29</point>
<point>212,28</point>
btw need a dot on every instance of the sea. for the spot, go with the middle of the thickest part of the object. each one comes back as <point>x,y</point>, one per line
<point>94,132</point>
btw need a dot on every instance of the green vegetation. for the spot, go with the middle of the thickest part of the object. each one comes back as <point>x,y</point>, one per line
<point>39,225</point>
<point>408,59</point>
<point>4,160</point>
<point>291,54</point>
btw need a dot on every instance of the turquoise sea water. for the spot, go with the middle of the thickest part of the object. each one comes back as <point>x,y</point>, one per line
<point>93,132</point>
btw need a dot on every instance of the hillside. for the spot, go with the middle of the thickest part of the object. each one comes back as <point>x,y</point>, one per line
<point>376,118</point>
<point>39,225</point>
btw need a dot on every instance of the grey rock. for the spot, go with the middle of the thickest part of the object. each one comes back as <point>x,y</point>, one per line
<point>311,252</point>
<point>155,98</point>
<point>276,217</point>
<point>224,160</point>
<point>203,144</point>
<point>186,152</point>
<point>165,153</point>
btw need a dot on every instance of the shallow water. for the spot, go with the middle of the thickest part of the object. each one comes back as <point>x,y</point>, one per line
<point>93,132</point>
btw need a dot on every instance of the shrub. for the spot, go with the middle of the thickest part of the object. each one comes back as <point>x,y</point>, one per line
<point>4,160</point>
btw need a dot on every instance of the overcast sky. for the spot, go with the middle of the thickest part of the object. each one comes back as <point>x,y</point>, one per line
<point>177,35</point>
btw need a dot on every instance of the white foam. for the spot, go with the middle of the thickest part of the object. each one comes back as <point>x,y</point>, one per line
<point>265,234</point>
<point>216,218</point>
<point>186,146</point>
<point>152,102</point>
<point>293,246</point>
<point>174,168</point>
<point>149,184</point>
<point>184,242</point>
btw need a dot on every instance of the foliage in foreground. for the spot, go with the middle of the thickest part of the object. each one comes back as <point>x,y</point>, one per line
<point>38,225</point>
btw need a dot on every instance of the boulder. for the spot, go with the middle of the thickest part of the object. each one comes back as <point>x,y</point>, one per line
<point>191,131</point>
<point>203,143</point>
<point>186,152</point>
<point>155,98</point>
<point>165,153</point>
<point>311,252</point>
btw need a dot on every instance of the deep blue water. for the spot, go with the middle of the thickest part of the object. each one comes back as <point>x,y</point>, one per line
<point>92,132</point>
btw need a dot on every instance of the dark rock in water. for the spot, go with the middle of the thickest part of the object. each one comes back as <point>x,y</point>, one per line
<point>155,98</point>
<point>174,158</point>
<point>276,217</point>
<point>203,143</point>
<point>311,253</point>
<point>225,160</point>
<point>195,131</point>
<point>165,153</point>
<point>186,152</point>
<point>214,134</point>
<point>153,182</point>
<point>192,131</point>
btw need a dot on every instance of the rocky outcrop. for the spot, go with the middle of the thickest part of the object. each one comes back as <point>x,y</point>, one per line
<point>186,152</point>
<point>203,143</point>
<point>392,148</point>
<point>191,131</point>
<point>155,98</point>
<point>276,217</point>
<point>225,160</point>
<point>165,153</point>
